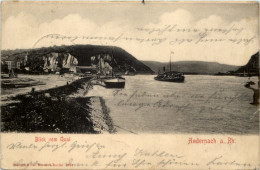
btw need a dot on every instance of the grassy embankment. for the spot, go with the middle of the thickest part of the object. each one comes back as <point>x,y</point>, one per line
<point>62,109</point>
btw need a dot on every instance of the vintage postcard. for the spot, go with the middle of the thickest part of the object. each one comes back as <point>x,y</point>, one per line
<point>129,85</point>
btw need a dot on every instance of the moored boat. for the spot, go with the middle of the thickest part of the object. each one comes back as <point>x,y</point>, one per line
<point>117,82</point>
<point>107,77</point>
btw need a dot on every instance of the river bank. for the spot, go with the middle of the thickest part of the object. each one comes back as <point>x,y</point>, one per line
<point>63,109</point>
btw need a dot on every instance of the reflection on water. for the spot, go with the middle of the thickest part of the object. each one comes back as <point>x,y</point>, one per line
<point>203,104</point>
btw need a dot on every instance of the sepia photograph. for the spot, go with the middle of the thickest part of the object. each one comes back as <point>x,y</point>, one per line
<point>130,68</point>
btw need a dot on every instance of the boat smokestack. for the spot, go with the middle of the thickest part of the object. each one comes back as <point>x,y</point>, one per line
<point>171,61</point>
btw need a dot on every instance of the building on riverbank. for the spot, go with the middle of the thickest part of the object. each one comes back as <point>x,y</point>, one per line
<point>13,62</point>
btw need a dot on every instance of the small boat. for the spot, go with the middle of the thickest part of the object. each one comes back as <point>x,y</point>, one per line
<point>117,82</point>
<point>171,76</point>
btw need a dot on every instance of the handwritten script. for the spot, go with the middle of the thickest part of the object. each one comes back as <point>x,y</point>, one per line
<point>143,99</point>
<point>101,156</point>
<point>171,34</point>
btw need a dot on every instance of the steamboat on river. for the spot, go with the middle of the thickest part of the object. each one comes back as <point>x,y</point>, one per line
<point>171,76</point>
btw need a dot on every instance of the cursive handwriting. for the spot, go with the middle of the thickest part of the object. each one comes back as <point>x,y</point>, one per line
<point>217,162</point>
<point>141,158</point>
<point>19,145</point>
<point>176,29</point>
<point>53,147</point>
<point>138,100</point>
<point>157,36</point>
<point>144,153</point>
<point>162,104</point>
<point>86,146</point>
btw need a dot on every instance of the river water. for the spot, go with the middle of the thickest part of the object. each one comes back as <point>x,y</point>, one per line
<point>202,104</point>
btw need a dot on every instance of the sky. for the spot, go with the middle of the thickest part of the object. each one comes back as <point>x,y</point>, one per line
<point>217,32</point>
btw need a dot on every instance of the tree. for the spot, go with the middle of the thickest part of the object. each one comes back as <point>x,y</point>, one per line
<point>4,67</point>
<point>35,63</point>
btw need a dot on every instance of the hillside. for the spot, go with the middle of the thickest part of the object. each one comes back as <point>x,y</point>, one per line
<point>192,67</point>
<point>252,66</point>
<point>82,55</point>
